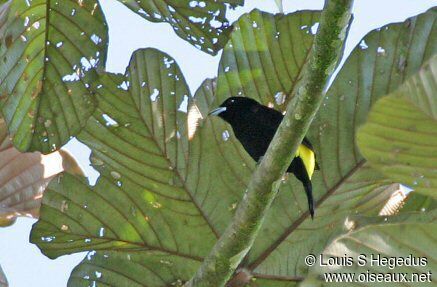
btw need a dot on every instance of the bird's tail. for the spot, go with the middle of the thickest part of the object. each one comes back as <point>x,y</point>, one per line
<point>309,192</point>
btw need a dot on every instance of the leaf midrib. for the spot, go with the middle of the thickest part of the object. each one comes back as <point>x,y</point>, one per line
<point>175,169</point>
<point>142,247</point>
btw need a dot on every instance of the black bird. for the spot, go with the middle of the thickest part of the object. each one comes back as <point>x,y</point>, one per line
<point>255,125</point>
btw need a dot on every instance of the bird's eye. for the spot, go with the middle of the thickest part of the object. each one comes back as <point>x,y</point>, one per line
<point>232,101</point>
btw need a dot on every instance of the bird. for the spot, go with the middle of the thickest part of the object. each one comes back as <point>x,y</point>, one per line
<point>254,126</point>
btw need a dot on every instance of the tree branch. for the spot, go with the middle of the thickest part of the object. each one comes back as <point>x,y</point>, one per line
<point>239,236</point>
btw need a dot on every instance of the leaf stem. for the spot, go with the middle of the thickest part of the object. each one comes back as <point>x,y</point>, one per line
<point>238,238</point>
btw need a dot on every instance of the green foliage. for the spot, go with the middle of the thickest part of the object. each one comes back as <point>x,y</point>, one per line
<point>144,201</point>
<point>171,180</point>
<point>400,137</point>
<point>135,268</point>
<point>202,23</point>
<point>377,66</point>
<point>171,177</point>
<point>49,54</point>
<point>366,76</point>
<point>265,56</point>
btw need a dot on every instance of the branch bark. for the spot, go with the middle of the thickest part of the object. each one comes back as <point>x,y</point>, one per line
<point>239,236</point>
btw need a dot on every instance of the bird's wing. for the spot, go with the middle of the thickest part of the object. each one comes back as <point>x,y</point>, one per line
<point>308,144</point>
<point>269,118</point>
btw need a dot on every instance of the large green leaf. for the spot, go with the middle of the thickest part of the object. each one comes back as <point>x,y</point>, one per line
<point>49,52</point>
<point>400,135</point>
<point>143,203</point>
<point>133,268</point>
<point>409,235</point>
<point>202,23</point>
<point>170,181</point>
<point>265,56</point>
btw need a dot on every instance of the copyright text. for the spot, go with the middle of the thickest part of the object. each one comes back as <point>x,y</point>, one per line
<point>377,268</point>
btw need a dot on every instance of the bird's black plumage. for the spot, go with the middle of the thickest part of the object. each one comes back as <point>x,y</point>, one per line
<point>254,125</point>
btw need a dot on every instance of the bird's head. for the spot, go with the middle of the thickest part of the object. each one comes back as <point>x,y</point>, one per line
<point>233,108</point>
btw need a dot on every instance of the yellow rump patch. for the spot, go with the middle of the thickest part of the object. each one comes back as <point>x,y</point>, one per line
<point>308,158</point>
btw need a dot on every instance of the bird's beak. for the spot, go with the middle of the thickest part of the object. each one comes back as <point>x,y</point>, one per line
<point>217,111</point>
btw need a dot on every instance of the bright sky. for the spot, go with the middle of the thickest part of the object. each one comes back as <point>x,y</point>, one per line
<point>22,262</point>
